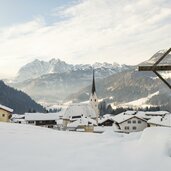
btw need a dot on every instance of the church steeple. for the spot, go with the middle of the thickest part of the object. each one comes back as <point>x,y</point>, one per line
<point>93,97</point>
<point>93,85</point>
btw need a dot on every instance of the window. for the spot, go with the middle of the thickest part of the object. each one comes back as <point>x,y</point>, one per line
<point>134,121</point>
<point>134,127</point>
<point>126,127</point>
<point>139,121</point>
<point>129,122</point>
<point>31,122</point>
<point>3,115</point>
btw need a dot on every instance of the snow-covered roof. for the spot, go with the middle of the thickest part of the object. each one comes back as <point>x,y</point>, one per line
<point>105,118</point>
<point>41,116</point>
<point>17,116</point>
<point>161,121</point>
<point>125,116</point>
<point>156,113</point>
<point>82,122</point>
<point>6,108</point>
<point>79,110</point>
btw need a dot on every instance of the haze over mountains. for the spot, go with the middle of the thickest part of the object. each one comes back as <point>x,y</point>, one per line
<point>56,80</point>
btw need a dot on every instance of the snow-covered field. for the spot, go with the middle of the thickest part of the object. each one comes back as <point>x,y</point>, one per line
<point>29,148</point>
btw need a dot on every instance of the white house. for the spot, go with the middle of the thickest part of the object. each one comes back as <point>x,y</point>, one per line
<point>84,124</point>
<point>76,111</point>
<point>164,121</point>
<point>129,121</point>
<point>18,118</point>
<point>42,119</point>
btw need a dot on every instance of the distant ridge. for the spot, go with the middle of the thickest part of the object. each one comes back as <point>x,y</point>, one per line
<point>17,100</point>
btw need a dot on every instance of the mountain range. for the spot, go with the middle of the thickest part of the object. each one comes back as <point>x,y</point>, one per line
<point>56,80</point>
<point>131,87</point>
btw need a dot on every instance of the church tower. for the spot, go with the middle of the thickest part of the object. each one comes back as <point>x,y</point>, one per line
<point>93,98</point>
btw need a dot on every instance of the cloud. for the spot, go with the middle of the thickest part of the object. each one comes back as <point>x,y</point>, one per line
<point>91,30</point>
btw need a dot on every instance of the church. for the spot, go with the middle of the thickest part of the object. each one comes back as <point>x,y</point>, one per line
<point>82,110</point>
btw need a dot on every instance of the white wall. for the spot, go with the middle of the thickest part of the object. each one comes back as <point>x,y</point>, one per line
<point>139,126</point>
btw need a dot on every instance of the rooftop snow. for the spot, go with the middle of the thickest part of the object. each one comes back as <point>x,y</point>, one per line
<point>41,116</point>
<point>82,122</point>
<point>161,121</point>
<point>6,108</point>
<point>79,110</point>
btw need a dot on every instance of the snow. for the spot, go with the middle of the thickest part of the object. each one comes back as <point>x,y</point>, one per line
<point>29,148</point>
<point>161,120</point>
<point>105,118</point>
<point>41,116</point>
<point>125,116</point>
<point>83,121</point>
<point>142,102</point>
<point>79,110</point>
<point>156,113</point>
<point>6,108</point>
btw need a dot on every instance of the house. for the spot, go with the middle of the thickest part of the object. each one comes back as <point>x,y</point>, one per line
<point>17,118</point>
<point>85,124</point>
<point>42,119</point>
<point>164,121</point>
<point>106,120</point>
<point>5,113</point>
<point>76,111</point>
<point>128,122</point>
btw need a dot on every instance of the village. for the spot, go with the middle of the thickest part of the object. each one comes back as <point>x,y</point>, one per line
<point>84,117</point>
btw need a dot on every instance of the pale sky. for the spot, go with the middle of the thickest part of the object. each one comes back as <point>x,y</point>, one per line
<point>82,31</point>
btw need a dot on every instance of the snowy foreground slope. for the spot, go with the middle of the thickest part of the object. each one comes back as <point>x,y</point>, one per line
<point>28,148</point>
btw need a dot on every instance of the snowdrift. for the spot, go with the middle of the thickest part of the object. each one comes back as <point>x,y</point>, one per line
<point>29,148</point>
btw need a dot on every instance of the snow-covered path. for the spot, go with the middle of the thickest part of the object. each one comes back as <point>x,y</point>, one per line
<point>29,148</point>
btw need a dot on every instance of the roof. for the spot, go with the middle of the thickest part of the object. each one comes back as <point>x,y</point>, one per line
<point>93,85</point>
<point>6,108</point>
<point>41,116</point>
<point>156,113</point>
<point>139,114</point>
<point>105,118</point>
<point>79,110</point>
<point>161,121</point>
<point>122,117</point>
<point>84,121</point>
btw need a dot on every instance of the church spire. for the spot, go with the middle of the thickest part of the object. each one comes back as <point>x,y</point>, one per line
<point>93,98</point>
<point>93,85</point>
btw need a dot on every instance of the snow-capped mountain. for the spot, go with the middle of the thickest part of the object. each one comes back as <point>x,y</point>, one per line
<point>38,68</point>
<point>55,80</point>
<point>156,56</point>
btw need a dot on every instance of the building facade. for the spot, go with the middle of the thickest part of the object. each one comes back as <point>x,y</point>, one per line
<point>5,113</point>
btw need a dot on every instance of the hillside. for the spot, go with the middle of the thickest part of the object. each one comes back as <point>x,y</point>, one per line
<point>131,87</point>
<point>17,100</point>
<point>35,148</point>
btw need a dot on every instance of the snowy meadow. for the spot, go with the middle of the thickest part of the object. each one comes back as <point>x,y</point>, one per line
<point>26,147</point>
